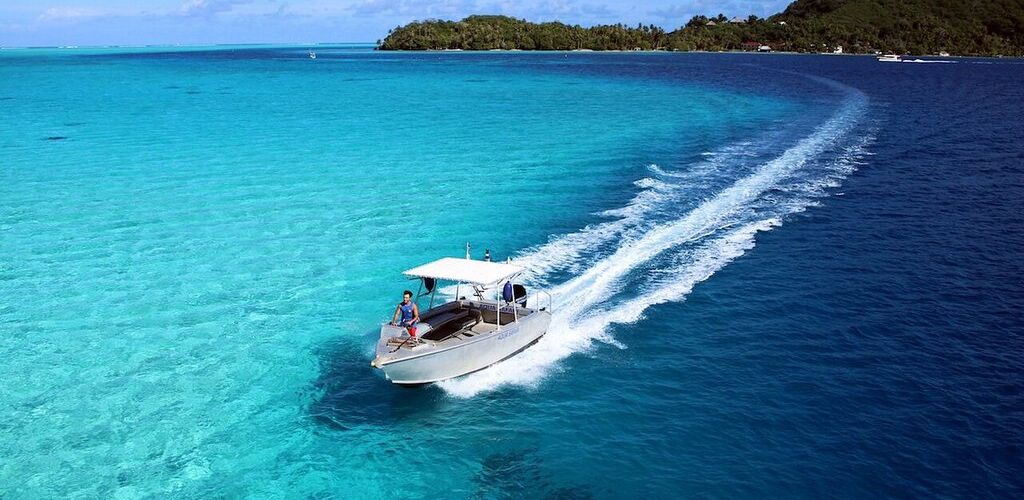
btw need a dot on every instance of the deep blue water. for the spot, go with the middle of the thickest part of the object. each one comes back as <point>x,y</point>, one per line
<point>775,276</point>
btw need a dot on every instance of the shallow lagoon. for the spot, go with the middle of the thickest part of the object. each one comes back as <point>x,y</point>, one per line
<point>776,275</point>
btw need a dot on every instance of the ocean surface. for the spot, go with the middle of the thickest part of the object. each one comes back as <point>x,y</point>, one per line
<point>774,275</point>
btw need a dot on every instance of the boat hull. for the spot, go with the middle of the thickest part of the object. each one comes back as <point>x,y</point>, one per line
<point>450,362</point>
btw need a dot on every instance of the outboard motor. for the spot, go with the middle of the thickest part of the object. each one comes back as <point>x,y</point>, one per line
<point>514,293</point>
<point>519,294</point>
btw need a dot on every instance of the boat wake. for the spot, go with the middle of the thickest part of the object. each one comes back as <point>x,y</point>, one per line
<point>679,230</point>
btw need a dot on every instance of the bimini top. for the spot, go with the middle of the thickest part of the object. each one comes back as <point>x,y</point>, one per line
<point>477,272</point>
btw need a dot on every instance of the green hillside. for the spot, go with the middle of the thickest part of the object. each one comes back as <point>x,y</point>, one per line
<point>973,27</point>
<point>506,33</point>
<point>978,27</point>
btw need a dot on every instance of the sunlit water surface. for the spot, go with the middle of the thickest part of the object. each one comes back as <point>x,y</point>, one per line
<point>773,275</point>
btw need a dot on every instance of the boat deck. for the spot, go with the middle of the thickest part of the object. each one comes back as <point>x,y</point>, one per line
<point>455,337</point>
<point>451,324</point>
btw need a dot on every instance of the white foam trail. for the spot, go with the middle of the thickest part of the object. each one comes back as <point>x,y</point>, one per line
<point>584,309</point>
<point>706,261</point>
<point>533,364</point>
<point>599,280</point>
<point>564,252</point>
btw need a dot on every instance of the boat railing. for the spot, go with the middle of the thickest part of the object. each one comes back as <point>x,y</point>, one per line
<point>538,294</point>
<point>510,307</point>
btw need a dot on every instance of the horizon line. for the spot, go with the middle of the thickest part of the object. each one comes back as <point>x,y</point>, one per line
<point>172,45</point>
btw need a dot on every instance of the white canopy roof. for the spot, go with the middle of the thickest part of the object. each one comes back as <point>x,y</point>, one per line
<point>477,272</point>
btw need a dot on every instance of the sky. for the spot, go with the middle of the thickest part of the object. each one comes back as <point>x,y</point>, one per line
<point>25,23</point>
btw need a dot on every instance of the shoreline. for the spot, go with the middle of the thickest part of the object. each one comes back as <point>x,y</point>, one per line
<point>373,47</point>
<point>751,52</point>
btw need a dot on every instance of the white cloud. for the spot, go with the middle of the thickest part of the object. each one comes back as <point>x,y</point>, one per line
<point>419,8</point>
<point>202,8</point>
<point>70,14</point>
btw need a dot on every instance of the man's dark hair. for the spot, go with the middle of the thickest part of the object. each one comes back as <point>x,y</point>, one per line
<point>407,292</point>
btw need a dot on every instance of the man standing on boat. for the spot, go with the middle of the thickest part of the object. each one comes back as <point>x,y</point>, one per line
<point>409,312</point>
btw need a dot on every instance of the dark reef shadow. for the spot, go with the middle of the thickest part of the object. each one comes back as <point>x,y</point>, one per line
<point>349,393</point>
<point>521,473</point>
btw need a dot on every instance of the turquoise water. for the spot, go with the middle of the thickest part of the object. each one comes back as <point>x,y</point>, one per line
<point>198,246</point>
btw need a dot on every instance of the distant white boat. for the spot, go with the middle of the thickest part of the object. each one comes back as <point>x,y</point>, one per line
<point>312,55</point>
<point>889,58</point>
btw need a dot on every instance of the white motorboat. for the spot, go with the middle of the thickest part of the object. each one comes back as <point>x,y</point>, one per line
<point>889,58</point>
<point>464,335</point>
<point>312,55</point>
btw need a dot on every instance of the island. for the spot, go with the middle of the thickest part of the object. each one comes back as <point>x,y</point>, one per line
<point>980,28</point>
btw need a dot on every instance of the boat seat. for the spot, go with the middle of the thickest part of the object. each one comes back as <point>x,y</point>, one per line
<point>446,325</point>
<point>445,317</point>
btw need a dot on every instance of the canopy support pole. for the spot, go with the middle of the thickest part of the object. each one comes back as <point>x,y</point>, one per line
<point>418,292</point>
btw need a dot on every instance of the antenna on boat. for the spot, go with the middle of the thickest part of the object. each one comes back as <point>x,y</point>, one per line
<point>468,246</point>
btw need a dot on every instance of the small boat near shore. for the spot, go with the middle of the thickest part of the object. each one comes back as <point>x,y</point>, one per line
<point>464,335</point>
<point>889,58</point>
